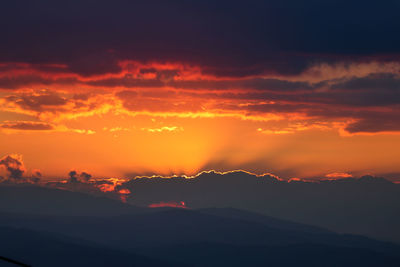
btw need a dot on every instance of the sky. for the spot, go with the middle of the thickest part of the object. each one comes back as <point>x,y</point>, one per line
<point>298,89</point>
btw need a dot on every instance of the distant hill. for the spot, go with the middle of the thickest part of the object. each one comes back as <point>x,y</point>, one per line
<point>33,199</point>
<point>232,213</point>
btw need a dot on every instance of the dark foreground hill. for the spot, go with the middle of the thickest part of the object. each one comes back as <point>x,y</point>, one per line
<point>44,249</point>
<point>38,231</point>
<point>310,255</point>
<point>192,237</point>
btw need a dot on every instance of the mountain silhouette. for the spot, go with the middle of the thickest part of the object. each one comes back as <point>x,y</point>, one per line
<point>164,234</point>
<point>44,249</point>
<point>95,231</point>
<point>40,200</point>
<point>366,206</point>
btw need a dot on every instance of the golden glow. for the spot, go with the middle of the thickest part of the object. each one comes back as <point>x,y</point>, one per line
<point>173,119</point>
<point>339,175</point>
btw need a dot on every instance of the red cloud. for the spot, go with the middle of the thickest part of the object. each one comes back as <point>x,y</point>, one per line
<point>180,204</point>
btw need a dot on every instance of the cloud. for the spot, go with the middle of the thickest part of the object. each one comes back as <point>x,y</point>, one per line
<point>338,175</point>
<point>333,101</point>
<point>354,98</point>
<point>83,182</point>
<point>260,37</point>
<point>180,204</point>
<point>177,188</point>
<point>163,129</point>
<point>36,176</point>
<point>375,123</point>
<point>74,177</point>
<point>24,81</point>
<point>14,166</point>
<point>39,102</point>
<point>27,125</point>
<point>36,173</point>
<point>351,94</point>
<point>15,171</point>
<point>57,105</point>
<point>345,202</point>
<point>236,188</point>
<point>85,176</point>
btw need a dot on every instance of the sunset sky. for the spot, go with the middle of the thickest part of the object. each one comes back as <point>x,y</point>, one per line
<point>176,87</point>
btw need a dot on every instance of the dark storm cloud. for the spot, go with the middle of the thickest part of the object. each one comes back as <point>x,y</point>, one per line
<point>381,89</point>
<point>15,82</point>
<point>227,38</point>
<point>53,68</point>
<point>372,82</point>
<point>260,84</point>
<point>374,124</point>
<point>127,81</point>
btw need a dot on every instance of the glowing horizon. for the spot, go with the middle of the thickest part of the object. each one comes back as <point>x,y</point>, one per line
<point>168,119</point>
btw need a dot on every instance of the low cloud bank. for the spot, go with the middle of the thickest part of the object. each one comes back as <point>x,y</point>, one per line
<point>367,205</point>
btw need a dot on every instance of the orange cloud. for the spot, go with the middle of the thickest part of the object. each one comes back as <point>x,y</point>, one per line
<point>13,165</point>
<point>254,122</point>
<point>163,129</point>
<point>178,90</point>
<point>26,126</point>
<point>339,175</point>
<point>123,194</point>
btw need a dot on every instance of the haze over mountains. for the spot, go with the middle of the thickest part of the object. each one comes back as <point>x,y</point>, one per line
<point>368,205</point>
<point>213,230</point>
